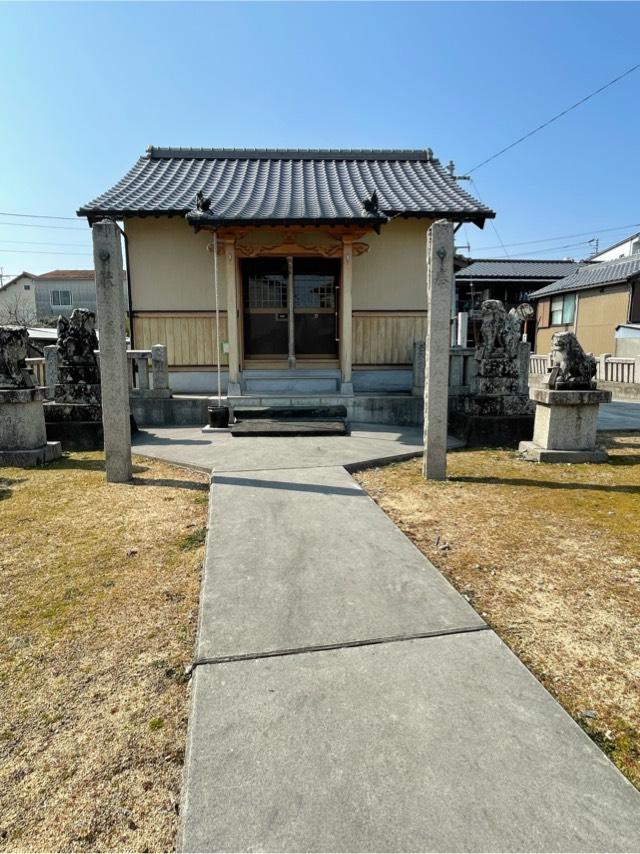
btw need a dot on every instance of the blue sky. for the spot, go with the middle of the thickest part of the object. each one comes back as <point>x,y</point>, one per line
<point>86,87</point>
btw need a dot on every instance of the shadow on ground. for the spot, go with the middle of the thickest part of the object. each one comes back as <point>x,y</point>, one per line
<point>548,484</point>
<point>5,486</point>
<point>289,485</point>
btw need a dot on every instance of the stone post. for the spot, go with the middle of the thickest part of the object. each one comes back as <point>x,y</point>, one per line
<point>159,367</point>
<point>636,370</point>
<point>417,389</point>
<point>107,257</point>
<point>50,368</point>
<point>602,366</point>
<point>436,371</point>
<point>524,356</point>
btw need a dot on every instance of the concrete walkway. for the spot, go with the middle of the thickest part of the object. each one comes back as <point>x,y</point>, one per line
<point>347,697</point>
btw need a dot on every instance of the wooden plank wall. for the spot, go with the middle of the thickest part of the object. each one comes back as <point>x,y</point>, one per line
<point>386,338</point>
<point>189,336</point>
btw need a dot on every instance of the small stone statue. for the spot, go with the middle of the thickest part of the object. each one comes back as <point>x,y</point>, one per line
<point>77,339</point>
<point>499,330</point>
<point>14,344</point>
<point>78,371</point>
<point>571,368</point>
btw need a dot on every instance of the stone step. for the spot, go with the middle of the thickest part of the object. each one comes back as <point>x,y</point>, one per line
<point>290,427</point>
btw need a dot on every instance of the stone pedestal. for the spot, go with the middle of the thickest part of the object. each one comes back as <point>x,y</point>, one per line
<point>23,436</point>
<point>565,426</point>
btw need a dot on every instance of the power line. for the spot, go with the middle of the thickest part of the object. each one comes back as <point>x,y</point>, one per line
<point>37,225</point>
<point>39,216</point>
<point>477,192</point>
<point>564,236</point>
<point>42,243</point>
<point>555,118</point>
<point>43,252</point>
<point>550,249</point>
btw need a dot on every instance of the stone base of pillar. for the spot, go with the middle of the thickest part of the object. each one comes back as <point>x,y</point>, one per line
<point>565,426</point>
<point>32,457</point>
<point>535,454</point>
<point>346,389</point>
<point>23,437</point>
<point>233,389</point>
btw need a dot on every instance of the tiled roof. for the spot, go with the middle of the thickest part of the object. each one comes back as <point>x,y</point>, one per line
<point>287,186</point>
<point>512,268</point>
<point>592,276</point>
<point>67,274</point>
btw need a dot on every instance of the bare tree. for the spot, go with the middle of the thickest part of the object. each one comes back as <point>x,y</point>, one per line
<point>16,310</point>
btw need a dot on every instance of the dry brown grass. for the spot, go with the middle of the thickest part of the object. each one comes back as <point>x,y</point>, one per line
<point>550,556</point>
<point>99,596</point>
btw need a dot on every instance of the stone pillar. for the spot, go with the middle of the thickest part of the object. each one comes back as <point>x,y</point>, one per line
<point>50,369</point>
<point>107,257</point>
<point>346,322</point>
<point>159,367</point>
<point>142,369</point>
<point>636,370</point>
<point>417,389</point>
<point>436,371</point>
<point>524,357</point>
<point>232,316</point>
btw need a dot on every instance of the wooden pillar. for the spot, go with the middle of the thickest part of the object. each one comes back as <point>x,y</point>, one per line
<point>232,315</point>
<point>291,320</point>
<point>346,324</point>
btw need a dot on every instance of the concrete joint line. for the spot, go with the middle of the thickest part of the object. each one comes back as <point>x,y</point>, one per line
<point>325,647</point>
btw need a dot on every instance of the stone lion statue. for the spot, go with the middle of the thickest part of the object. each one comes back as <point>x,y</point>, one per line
<point>500,330</point>
<point>14,346</point>
<point>77,339</point>
<point>571,368</point>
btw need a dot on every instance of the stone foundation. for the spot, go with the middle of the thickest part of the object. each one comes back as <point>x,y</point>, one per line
<point>23,436</point>
<point>565,428</point>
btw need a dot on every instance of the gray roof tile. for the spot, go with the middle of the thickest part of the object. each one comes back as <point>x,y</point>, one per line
<point>287,185</point>
<point>593,275</point>
<point>516,268</point>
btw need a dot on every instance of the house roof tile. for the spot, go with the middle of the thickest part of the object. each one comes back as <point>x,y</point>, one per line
<point>593,275</point>
<point>287,185</point>
<point>516,268</point>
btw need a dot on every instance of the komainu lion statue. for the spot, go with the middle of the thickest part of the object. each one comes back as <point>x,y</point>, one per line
<point>571,368</point>
<point>14,344</point>
<point>502,331</point>
<point>77,339</point>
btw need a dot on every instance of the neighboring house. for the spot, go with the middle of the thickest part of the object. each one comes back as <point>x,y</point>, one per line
<point>18,301</point>
<point>591,302</point>
<point>510,280</point>
<point>626,248</point>
<point>28,298</point>
<point>60,291</point>
<point>321,262</point>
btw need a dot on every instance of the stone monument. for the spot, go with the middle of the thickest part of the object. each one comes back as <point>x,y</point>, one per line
<point>496,410</point>
<point>23,436</point>
<point>75,415</point>
<point>567,407</point>
<point>440,284</point>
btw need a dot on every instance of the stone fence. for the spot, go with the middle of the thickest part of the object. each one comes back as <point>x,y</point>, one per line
<point>147,369</point>
<point>463,367</point>
<point>619,374</point>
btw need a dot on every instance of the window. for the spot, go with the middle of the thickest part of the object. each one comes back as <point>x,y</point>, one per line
<point>563,309</point>
<point>60,299</point>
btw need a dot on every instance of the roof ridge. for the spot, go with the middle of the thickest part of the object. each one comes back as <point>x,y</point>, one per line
<point>154,152</point>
